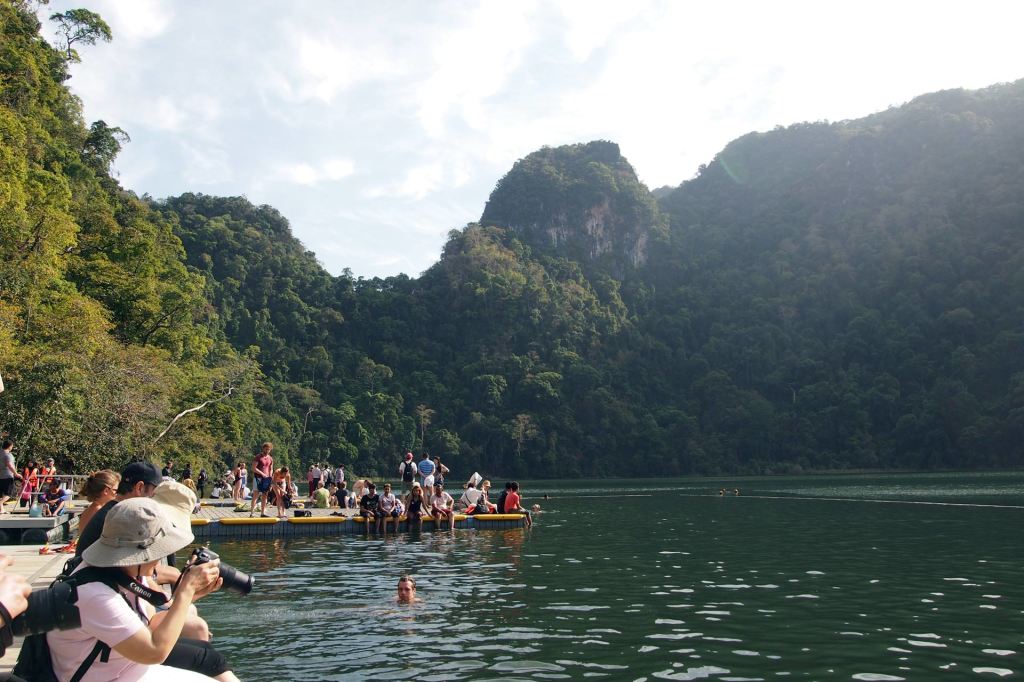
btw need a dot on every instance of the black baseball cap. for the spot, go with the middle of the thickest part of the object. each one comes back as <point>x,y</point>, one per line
<point>141,471</point>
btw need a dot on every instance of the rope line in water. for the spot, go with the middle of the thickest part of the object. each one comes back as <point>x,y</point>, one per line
<point>820,499</point>
<point>857,499</point>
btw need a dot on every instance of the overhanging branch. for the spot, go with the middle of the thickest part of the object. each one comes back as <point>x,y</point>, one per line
<point>192,409</point>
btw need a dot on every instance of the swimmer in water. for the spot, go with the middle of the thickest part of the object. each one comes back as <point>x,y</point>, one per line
<point>407,590</point>
<point>535,508</point>
<point>735,491</point>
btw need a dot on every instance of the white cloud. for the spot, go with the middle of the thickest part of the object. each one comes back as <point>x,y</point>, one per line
<point>377,130</point>
<point>472,62</point>
<point>303,173</point>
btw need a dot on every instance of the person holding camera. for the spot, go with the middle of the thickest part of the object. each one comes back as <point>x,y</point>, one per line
<point>137,533</point>
<point>14,592</point>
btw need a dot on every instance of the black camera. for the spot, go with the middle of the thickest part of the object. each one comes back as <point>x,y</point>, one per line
<point>234,580</point>
<point>50,609</point>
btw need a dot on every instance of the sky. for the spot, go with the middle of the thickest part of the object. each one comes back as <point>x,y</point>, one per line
<point>375,128</point>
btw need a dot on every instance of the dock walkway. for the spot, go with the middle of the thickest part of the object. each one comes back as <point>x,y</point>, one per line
<point>40,570</point>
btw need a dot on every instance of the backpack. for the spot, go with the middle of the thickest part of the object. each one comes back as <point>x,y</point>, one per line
<point>34,662</point>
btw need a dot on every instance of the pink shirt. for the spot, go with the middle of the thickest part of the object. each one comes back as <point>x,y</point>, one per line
<point>106,616</point>
<point>511,502</point>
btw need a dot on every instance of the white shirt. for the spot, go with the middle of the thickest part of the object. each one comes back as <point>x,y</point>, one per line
<point>107,617</point>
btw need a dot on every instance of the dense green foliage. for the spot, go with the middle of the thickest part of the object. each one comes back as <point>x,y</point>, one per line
<point>824,296</point>
<point>102,338</point>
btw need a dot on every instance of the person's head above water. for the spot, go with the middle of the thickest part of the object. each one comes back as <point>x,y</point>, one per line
<point>407,590</point>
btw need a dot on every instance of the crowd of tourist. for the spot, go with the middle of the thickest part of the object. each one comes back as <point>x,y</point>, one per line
<point>137,518</point>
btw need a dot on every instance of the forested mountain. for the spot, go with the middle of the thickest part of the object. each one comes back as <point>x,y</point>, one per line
<point>822,296</point>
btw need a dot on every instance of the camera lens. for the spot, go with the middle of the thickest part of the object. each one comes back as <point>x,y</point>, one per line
<point>49,609</point>
<point>235,580</point>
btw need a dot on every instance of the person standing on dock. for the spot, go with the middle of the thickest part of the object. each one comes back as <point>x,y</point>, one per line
<point>339,475</point>
<point>262,471</point>
<point>407,470</point>
<point>318,474</point>
<point>426,469</point>
<point>201,482</point>
<point>8,474</point>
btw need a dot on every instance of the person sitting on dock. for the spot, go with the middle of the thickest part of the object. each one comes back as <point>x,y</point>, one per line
<point>53,498</point>
<point>414,505</point>
<point>389,509</point>
<point>513,505</point>
<point>99,488</point>
<point>137,534</point>
<point>321,496</point>
<point>262,471</point>
<point>369,505</point>
<point>500,507</point>
<point>341,496</point>
<point>470,497</point>
<point>484,504</point>
<point>407,590</point>
<point>442,506</point>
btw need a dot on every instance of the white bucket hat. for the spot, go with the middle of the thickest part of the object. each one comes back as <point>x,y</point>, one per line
<point>137,531</point>
<point>177,497</point>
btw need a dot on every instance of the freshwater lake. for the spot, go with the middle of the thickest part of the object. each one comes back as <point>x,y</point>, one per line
<point>897,577</point>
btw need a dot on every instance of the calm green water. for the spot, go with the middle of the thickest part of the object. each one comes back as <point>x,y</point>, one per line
<point>633,580</point>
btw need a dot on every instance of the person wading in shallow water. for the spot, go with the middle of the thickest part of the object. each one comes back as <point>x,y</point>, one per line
<point>407,590</point>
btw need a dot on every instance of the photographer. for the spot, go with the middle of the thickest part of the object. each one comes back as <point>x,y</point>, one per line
<point>14,591</point>
<point>136,534</point>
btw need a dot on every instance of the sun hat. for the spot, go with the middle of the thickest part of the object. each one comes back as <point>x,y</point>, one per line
<point>177,497</point>
<point>137,531</point>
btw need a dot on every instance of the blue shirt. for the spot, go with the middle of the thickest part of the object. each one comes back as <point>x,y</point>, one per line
<point>426,468</point>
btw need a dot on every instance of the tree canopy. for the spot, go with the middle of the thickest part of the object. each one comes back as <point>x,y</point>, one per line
<point>822,296</point>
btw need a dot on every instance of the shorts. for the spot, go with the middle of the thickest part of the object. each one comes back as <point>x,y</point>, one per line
<point>370,513</point>
<point>6,487</point>
<point>197,656</point>
<point>391,514</point>
<point>263,484</point>
<point>428,482</point>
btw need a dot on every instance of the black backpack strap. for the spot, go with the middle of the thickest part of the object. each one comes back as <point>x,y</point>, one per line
<point>100,650</point>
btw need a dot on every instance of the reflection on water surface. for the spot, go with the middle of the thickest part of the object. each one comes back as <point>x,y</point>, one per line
<point>657,580</point>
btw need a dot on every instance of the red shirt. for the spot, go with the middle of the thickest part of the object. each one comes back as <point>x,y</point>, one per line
<point>263,463</point>
<point>511,501</point>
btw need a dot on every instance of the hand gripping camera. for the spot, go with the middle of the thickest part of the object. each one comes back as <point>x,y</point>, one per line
<point>234,580</point>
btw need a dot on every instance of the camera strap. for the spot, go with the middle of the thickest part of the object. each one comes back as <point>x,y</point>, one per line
<point>121,579</point>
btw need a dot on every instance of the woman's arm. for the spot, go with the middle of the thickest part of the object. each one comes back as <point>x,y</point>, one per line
<point>153,646</point>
